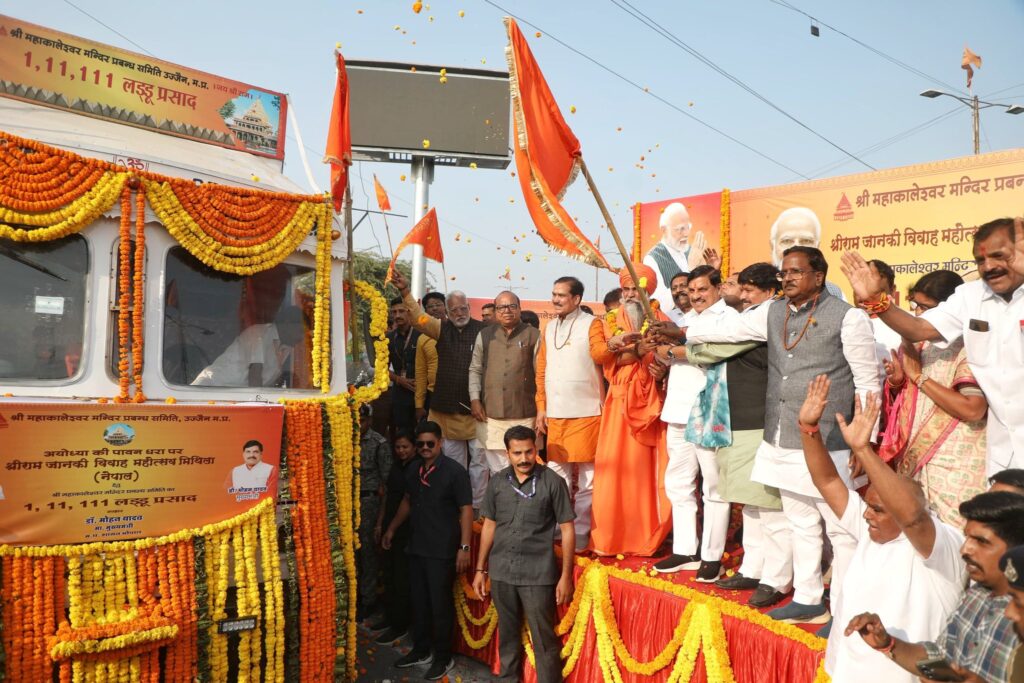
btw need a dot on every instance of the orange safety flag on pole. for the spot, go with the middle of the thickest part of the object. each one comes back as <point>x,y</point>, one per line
<point>546,150</point>
<point>426,234</point>
<point>382,195</point>
<point>339,138</point>
<point>968,61</point>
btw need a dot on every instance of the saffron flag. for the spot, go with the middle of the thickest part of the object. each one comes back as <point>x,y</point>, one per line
<point>426,234</point>
<point>339,138</point>
<point>382,195</point>
<point>546,150</point>
<point>968,61</point>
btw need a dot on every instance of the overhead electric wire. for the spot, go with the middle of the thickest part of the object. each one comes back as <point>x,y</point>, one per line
<point>889,141</point>
<point>675,40</point>
<point>883,55</point>
<point>108,27</point>
<point>646,91</point>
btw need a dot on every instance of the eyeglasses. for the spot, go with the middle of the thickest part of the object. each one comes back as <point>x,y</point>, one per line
<point>506,307</point>
<point>794,274</point>
<point>458,309</point>
<point>915,306</point>
<point>425,444</point>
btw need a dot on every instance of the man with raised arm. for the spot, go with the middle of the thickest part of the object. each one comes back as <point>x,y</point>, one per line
<point>449,406</point>
<point>987,313</point>
<point>906,566</point>
<point>809,332</point>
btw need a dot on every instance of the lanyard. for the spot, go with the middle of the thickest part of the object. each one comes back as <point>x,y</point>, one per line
<point>533,490</point>
<point>426,472</point>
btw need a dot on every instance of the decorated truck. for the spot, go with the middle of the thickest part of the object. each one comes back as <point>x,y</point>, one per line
<point>178,438</point>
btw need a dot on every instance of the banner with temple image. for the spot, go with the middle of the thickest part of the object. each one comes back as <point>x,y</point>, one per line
<point>55,69</point>
<point>918,219</point>
<point>87,472</point>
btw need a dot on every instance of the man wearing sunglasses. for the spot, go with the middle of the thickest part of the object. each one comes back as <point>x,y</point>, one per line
<point>438,503</point>
<point>502,384</point>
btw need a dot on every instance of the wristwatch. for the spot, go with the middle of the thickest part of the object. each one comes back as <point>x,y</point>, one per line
<point>464,547</point>
<point>670,354</point>
<point>921,379</point>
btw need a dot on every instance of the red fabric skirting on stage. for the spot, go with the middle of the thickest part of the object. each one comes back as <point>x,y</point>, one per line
<point>647,611</point>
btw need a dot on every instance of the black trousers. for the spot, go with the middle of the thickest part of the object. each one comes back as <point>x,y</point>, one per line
<point>537,604</point>
<point>396,583</point>
<point>433,606</point>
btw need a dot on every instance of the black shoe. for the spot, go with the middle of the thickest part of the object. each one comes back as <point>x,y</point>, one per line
<point>677,563</point>
<point>378,625</point>
<point>765,596</point>
<point>738,582</point>
<point>709,572</point>
<point>439,669</point>
<point>390,635</point>
<point>413,659</point>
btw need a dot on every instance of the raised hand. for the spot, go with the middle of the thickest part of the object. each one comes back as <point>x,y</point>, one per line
<point>858,432</point>
<point>867,283</point>
<point>817,399</point>
<point>712,258</point>
<point>1017,264</point>
<point>697,246</point>
<point>399,281</point>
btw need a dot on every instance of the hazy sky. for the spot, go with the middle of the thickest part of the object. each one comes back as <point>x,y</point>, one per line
<point>844,91</point>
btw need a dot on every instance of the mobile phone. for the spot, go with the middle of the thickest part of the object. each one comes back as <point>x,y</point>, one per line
<point>938,670</point>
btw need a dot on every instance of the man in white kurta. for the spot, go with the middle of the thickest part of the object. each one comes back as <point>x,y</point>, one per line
<point>906,567</point>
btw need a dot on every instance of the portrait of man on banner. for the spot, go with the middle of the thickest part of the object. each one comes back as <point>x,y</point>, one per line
<point>253,477</point>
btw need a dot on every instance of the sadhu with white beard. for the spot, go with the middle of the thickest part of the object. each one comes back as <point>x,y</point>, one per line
<point>632,515</point>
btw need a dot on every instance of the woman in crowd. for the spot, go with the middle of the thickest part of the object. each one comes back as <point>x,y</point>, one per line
<point>936,427</point>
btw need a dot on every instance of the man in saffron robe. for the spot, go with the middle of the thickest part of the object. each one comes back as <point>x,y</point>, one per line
<point>631,513</point>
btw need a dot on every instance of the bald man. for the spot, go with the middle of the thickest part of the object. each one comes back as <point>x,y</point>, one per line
<point>673,254</point>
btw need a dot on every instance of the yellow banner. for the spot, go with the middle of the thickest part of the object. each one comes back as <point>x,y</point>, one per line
<point>915,218</point>
<point>85,472</point>
<point>54,69</point>
<point>918,219</point>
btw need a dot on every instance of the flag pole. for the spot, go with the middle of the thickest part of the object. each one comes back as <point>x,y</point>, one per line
<point>645,301</point>
<point>353,310</point>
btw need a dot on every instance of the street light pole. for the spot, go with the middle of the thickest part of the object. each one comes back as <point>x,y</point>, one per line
<point>976,106</point>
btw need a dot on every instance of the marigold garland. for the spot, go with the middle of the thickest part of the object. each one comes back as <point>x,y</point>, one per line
<point>378,328</point>
<point>700,629</point>
<point>56,193</point>
<point>725,230</point>
<point>124,295</point>
<point>139,296</point>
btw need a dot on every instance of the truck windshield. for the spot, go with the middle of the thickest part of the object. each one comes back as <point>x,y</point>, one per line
<point>42,306</point>
<point>232,331</point>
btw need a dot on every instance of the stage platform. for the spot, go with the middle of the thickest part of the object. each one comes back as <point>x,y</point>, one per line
<point>628,624</point>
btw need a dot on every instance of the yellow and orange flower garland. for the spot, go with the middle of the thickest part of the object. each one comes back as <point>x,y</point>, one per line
<point>699,629</point>
<point>48,193</point>
<point>128,599</point>
<point>725,230</point>
<point>378,328</point>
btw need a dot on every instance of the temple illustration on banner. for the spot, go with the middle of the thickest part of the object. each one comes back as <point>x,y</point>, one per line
<point>254,129</point>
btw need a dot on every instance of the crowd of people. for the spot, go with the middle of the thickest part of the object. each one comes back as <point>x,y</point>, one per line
<point>877,454</point>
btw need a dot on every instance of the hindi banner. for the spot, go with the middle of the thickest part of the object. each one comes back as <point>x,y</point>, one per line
<point>54,69</point>
<point>918,219</point>
<point>86,472</point>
